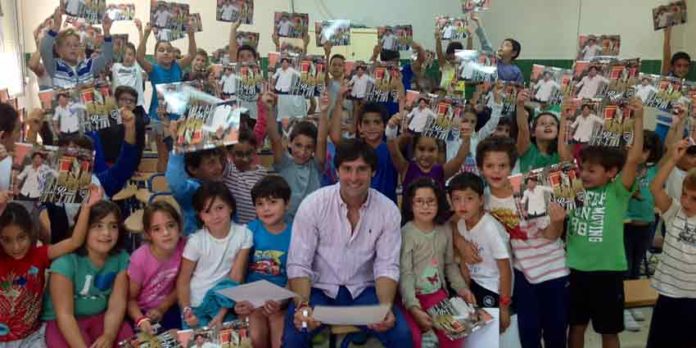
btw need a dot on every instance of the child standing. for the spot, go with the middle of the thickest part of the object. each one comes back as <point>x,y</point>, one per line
<point>153,270</point>
<point>243,173</point>
<point>596,254</point>
<point>540,272</point>
<point>427,259</point>
<point>673,320</point>
<point>272,233</point>
<point>491,279</point>
<point>217,251</point>
<point>23,267</point>
<point>129,73</point>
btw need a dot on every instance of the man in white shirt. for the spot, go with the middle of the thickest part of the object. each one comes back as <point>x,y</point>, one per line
<point>284,26</point>
<point>359,83</point>
<point>229,9</point>
<point>283,77</point>
<point>534,198</point>
<point>228,81</point>
<point>33,177</point>
<point>589,85</point>
<point>545,87</point>
<point>584,124</point>
<point>645,89</point>
<point>162,16</point>
<point>418,117</point>
<point>388,40</point>
<point>73,7</point>
<point>129,73</point>
<point>448,31</point>
<point>66,119</point>
<point>591,49</point>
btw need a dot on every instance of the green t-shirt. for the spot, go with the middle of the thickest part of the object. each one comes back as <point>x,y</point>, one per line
<point>642,208</point>
<point>91,286</point>
<point>533,159</point>
<point>595,231</point>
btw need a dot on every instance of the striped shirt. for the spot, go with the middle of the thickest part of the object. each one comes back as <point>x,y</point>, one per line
<point>538,258</point>
<point>324,249</point>
<point>675,275</point>
<point>240,184</point>
<point>66,76</point>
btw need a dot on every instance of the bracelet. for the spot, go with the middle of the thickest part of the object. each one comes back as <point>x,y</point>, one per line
<point>505,300</point>
<point>141,320</point>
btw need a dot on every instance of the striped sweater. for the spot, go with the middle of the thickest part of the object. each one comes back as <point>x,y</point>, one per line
<point>65,75</point>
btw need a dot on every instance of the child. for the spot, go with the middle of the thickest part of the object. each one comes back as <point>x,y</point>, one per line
<point>23,267</point>
<point>153,270</point>
<point>640,217</point>
<point>218,250</point>
<point>271,232</point>
<point>66,118</point>
<point>427,259</point>
<point>69,70</point>
<point>507,53</point>
<point>198,67</point>
<point>595,248</point>
<point>539,149</point>
<point>113,138</point>
<point>129,73</point>
<point>584,124</point>
<point>686,162</point>
<point>166,69</point>
<point>491,279</point>
<point>540,273</point>
<point>301,168</point>
<point>243,173</point>
<point>673,320</point>
<point>677,65</point>
<point>89,288</point>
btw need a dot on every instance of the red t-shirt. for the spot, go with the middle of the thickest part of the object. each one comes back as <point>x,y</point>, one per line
<point>21,293</point>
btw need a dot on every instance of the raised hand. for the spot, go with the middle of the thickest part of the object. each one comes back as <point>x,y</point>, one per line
<point>106,25</point>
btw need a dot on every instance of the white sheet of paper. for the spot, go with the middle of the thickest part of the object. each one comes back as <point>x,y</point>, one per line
<point>350,315</point>
<point>257,293</point>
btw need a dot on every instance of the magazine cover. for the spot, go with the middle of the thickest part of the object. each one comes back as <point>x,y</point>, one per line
<point>452,29</point>
<point>206,126</point>
<point>590,79</point>
<point>358,78</point>
<point>196,22</point>
<point>336,31</point>
<point>291,49</point>
<point>582,119</point>
<point>617,130</point>
<point>379,84</point>
<point>666,94</point>
<point>120,41</point>
<point>623,75</point>
<point>249,81</point>
<point>234,334</point>
<point>395,37</point>
<point>293,25</point>
<point>669,15</point>
<point>120,12</point>
<point>169,18</point>
<point>308,79</point>
<point>167,339</point>
<point>590,46</point>
<point>445,125</point>
<point>457,318</point>
<point>92,11</point>
<point>508,93</point>
<point>559,183</point>
<point>235,11</point>
<point>100,106</point>
<point>475,5</point>
<point>248,38</point>
<point>550,85</point>
<point>475,66</point>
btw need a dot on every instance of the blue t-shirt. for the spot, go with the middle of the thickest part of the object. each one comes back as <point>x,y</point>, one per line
<point>160,75</point>
<point>268,258</point>
<point>385,177</point>
<point>509,72</point>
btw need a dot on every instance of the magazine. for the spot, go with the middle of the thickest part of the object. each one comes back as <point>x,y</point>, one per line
<point>336,31</point>
<point>92,11</point>
<point>445,125</point>
<point>590,79</point>
<point>308,78</point>
<point>550,85</point>
<point>170,19</point>
<point>617,130</point>
<point>100,106</point>
<point>293,25</point>
<point>395,37</point>
<point>234,334</point>
<point>120,12</point>
<point>380,87</point>
<point>669,15</point>
<point>249,81</point>
<point>247,38</point>
<point>457,318</point>
<point>590,46</point>
<point>452,29</point>
<point>623,75</point>
<point>475,5</point>
<point>235,11</point>
<point>207,126</point>
<point>475,66</point>
<point>666,94</point>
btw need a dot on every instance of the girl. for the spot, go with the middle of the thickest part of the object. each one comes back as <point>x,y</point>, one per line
<point>165,70</point>
<point>23,267</point>
<point>539,149</point>
<point>219,249</point>
<point>427,258</point>
<point>69,69</point>
<point>153,270</point>
<point>89,288</point>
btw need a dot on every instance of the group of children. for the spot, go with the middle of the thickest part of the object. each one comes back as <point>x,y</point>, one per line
<point>462,233</point>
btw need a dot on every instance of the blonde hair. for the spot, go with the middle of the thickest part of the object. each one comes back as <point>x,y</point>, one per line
<point>64,35</point>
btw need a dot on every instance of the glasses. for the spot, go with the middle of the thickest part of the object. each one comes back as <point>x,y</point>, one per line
<point>425,203</point>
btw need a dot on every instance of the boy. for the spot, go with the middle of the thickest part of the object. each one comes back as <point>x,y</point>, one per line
<point>677,65</point>
<point>66,119</point>
<point>241,174</point>
<point>129,73</point>
<point>673,321</point>
<point>596,254</point>
<point>507,53</point>
<point>491,279</point>
<point>540,273</point>
<point>271,196</point>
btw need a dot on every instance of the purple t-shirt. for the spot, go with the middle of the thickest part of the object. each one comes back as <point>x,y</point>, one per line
<point>437,173</point>
<point>156,278</point>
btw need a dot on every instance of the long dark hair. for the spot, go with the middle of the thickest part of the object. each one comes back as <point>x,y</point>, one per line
<point>16,215</point>
<point>443,207</point>
<point>99,211</point>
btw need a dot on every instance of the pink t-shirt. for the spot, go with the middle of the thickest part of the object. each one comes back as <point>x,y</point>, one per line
<point>156,278</point>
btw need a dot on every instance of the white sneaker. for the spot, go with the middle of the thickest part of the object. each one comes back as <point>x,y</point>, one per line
<point>637,315</point>
<point>630,324</point>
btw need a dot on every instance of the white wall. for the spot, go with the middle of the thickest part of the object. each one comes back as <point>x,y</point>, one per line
<point>546,28</point>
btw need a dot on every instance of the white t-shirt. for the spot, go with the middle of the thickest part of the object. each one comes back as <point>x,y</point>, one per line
<point>284,79</point>
<point>162,17</point>
<point>131,76</point>
<point>229,84</point>
<point>419,118</point>
<point>68,118</point>
<point>359,85</point>
<point>73,6</point>
<point>536,199</point>
<point>284,28</point>
<point>492,243</point>
<point>544,89</point>
<point>589,86</point>
<point>589,52</point>
<point>448,31</point>
<point>674,275</point>
<point>585,125</point>
<point>674,183</point>
<point>214,257</point>
<point>5,173</point>
<point>389,42</point>
<point>643,92</point>
<point>32,177</point>
<point>228,11</point>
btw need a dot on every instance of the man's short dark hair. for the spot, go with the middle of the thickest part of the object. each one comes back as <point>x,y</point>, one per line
<point>305,128</point>
<point>516,47</point>
<point>607,157</point>
<point>8,118</point>
<point>464,181</point>
<point>271,186</point>
<point>353,149</point>
<point>376,108</point>
<point>679,56</point>
<point>496,144</point>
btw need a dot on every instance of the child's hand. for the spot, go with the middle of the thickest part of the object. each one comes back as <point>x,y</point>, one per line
<point>104,341</point>
<point>217,321</point>
<point>5,197</point>
<point>269,99</point>
<point>376,50</point>
<point>680,149</point>
<point>191,26</point>
<point>235,25</point>
<point>424,321</point>
<point>146,327</point>
<point>636,106</point>
<point>271,307</point>
<point>522,97</point>
<point>154,314</point>
<point>127,118</point>
<point>148,28</point>
<point>96,194</point>
<point>394,121</point>
<point>106,25</point>
<point>324,102</point>
<point>243,308</point>
<point>469,251</point>
<point>57,18</point>
<point>138,25</point>
<point>467,295</point>
<point>475,19</point>
<point>327,48</point>
<point>3,152</point>
<point>172,128</point>
<point>497,89</point>
<point>438,34</point>
<point>556,213</point>
<point>504,318</point>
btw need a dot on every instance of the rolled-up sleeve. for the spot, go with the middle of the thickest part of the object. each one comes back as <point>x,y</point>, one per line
<point>303,242</point>
<point>388,246</point>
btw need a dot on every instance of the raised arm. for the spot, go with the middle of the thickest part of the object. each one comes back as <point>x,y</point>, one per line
<point>233,46</point>
<point>271,128</point>
<point>48,41</point>
<point>453,166</point>
<point>192,48</point>
<point>441,58</point>
<point>323,131</point>
<point>496,114</point>
<point>523,140</point>
<point>81,226</point>
<point>481,34</point>
<point>657,187</point>
<point>676,131</point>
<point>564,149</point>
<point>337,115</point>
<point>630,169</point>
<point>667,52</point>
<point>140,52</point>
<point>107,53</point>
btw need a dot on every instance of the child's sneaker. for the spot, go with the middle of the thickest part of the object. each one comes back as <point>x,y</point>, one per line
<point>637,315</point>
<point>629,323</point>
